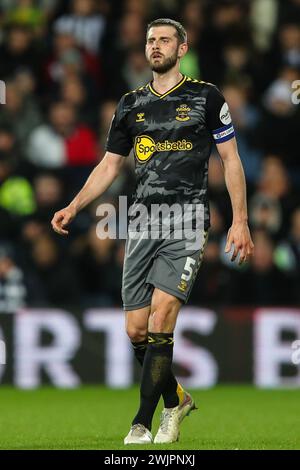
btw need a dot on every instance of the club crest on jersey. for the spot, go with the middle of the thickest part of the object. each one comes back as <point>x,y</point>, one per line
<point>140,117</point>
<point>183,113</point>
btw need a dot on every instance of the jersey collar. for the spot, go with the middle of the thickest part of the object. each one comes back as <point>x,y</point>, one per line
<point>169,91</point>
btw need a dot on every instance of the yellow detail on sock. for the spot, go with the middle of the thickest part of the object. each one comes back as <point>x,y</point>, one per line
<point>180,393</point>
<point>168,341</point>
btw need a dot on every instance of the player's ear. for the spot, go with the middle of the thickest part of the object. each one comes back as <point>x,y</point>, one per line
<point>182,50</point>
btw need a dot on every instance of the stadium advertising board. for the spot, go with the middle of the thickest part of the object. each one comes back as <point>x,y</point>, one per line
<point>233,345</point>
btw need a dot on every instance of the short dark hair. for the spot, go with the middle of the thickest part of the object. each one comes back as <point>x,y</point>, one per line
<point>180,31</point>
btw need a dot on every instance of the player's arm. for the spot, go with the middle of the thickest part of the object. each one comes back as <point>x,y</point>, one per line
<point>238,234</point>
<point>97,183</point>
<point>220,124</point>
<point>118,146</point>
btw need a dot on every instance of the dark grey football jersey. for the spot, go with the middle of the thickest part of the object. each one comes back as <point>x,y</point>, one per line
<point>171,136</point>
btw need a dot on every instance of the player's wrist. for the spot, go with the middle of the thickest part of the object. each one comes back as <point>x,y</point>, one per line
<point>73,207</point>
<point>240,220</point>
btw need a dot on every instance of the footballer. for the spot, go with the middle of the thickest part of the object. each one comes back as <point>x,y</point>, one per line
<point>171,124</point>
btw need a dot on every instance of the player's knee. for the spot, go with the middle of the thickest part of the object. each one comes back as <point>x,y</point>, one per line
<point>161,324</point>
<point>136,334</point>
<point>162,319</point>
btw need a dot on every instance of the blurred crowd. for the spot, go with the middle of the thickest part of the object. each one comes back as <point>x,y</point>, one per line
<point>66,63</point>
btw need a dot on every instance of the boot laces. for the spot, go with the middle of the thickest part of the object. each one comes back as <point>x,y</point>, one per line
<point>138,429</point>
<point>167,418</point>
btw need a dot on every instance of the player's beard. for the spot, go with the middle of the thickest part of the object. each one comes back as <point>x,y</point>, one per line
<point>167,65</point>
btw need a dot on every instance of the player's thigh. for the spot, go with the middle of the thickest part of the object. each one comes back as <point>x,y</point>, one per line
<point>164,311</point>
<point>136,323</point>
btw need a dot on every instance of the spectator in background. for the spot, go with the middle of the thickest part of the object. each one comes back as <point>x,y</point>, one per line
<point>49,193</point>
<point>13,290</point>
<point>265,212</point>
<point>46,147</point>
<point>53,67</point>
<point>137,7</point>
<point>8,226</point>
<point>20,113</point>
<point>287,254</point>
<point>192,14</point>
<point>85,24</point>
<point>238,67</point>
<point>47,6</point>
<point>277,98</point>
<point>189,64</point>
<point>32,229</point>
<point>263,18</point>
<point>227,20</point>
<point>290,44</point>
<point>56,281</point>
<point>245,117</point>
<point>274,179</point>
<point>285,50</point>
<point>67,60</point>
<point>26,12</point>
<point>19,51</point>
<point>214,281</point>
<point>129,36</point>
<point>274,199</point>
<point>72,66</point>
<point>131,32</point>
<point>76,94</point>
<point>217,228</point>
<point>263,283</point>
<point>63,141</point>
<point>8,144</point>
<point>136,70</point>
<point>16,194</point>
<point>289,10</point>
<point>26,85</point>
<point>294,237</point>
<point>279,126</point>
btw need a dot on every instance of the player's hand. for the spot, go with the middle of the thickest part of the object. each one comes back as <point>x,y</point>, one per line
<point>239,236</point>
<point>61,219</point>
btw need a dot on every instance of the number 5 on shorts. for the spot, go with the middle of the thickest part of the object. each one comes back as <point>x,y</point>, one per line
<point>189,264</point>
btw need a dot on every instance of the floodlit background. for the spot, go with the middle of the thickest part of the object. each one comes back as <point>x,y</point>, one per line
<point>65,65</point>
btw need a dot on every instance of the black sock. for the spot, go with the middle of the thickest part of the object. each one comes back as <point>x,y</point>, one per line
<point>140,349</point>
<point>169,393</point>
<point>156,372</point>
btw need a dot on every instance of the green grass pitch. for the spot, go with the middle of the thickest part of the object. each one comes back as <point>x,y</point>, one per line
<point>229,417</point>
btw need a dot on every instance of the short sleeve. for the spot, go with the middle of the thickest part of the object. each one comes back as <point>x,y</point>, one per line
<point>118,139</point>
<point>218,117</point>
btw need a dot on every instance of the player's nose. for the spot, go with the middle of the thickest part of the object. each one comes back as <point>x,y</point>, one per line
<point>155,50</point>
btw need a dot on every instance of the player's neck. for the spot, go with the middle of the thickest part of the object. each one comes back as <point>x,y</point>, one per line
<point>165,81</point>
